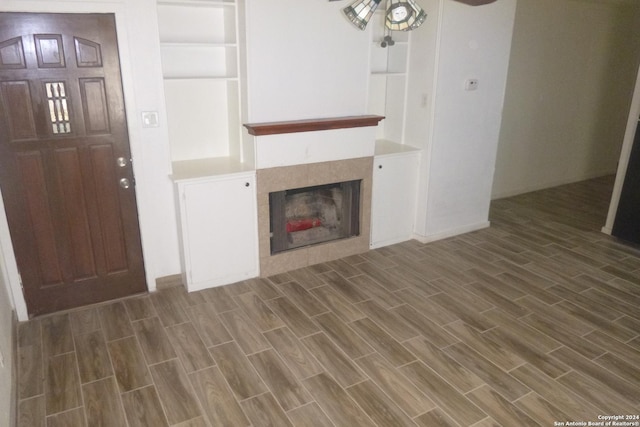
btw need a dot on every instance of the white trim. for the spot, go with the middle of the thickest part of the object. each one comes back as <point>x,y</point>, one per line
<point>452,232</point>
<point>627,145</point>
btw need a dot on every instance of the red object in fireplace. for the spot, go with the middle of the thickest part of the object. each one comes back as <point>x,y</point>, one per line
<point>302,224</point>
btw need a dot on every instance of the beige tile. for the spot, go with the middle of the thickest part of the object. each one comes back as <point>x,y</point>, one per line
<point>244,331</point>
<point>93,357</point>
<point>285,387</point>
<point>261,315</point>
<point>153,340</point>
<point>448,368</point>
<point>128,364</point>
<point>336,363</point>
<point>264,411</point>
<point>293,317</point>
<point>190,349</point>
<point>62,385</point>
<point>102,403</point>
<point>382,342</point>
<point>216,398</point>
<point>142,408</point>
<point>444,395</point>
<point>499,408</point>
<point>74,417</point>
<point>400,389</point>
<point>115,321</point>
<point>343,335</point>
<point>296,356</point>
<point>208,324</point>
<point>341,307</point>
<point>377,405</point>
<point>56,335</point>
<point>335,402</point>
<point>30,371</point>
<point>238,371</point>
<point>32,412</point>
<point>309,415</point>
<point>84,321</point>
<point>174,391</point>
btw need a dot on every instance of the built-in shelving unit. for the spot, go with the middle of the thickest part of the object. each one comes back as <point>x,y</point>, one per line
<point>388,79</point>
<point>202,78</point>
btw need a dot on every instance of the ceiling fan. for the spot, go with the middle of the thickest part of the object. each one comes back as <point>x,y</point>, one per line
<point>475,2</point>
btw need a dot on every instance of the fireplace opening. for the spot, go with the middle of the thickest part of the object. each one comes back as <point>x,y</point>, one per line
<point>307,216</point>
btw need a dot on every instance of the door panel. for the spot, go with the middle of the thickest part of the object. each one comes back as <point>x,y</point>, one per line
<point>627,222</point>
<point>19,119</point>
<point>74,230</point>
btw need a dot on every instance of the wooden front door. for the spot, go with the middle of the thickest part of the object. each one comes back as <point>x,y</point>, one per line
<point>65,163</point>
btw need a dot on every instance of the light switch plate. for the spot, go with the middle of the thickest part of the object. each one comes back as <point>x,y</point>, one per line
<point>150,119</point>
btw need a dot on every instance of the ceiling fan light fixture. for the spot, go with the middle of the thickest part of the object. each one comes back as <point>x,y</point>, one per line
<point>404,15</point>
<point>361,11</point>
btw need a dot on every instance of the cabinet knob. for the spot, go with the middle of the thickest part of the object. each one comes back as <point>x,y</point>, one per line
<point>379,166</point>
<point>246,184</point>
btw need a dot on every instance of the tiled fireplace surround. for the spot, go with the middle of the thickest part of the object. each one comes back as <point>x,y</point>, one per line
<point>308,153</point>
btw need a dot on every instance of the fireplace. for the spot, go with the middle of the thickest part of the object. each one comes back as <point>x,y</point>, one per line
<point>312,159</point>
<point>343,183</point>
<point>307,216</point>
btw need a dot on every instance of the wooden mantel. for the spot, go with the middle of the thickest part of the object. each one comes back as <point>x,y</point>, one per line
<point>293,126</point>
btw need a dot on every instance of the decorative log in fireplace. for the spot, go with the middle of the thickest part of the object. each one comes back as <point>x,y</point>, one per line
<point>311,215</point>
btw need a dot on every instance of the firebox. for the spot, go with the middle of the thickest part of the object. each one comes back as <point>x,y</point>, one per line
<point>311,215</point>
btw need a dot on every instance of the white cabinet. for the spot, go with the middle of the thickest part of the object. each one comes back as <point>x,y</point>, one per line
<point>395,181</point>
<point>218,229</point>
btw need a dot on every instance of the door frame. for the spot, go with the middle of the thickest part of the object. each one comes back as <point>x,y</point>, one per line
<point>623,163</point>
<point>8,264</point>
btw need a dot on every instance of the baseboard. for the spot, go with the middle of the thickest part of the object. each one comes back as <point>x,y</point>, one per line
<point>169,281</point>
<point>451,232</point>
<point>551,184</point>
<point>14,369</point>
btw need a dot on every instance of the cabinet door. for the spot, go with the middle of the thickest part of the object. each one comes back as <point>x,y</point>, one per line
<point>394,197</point>
<point>219,231</point>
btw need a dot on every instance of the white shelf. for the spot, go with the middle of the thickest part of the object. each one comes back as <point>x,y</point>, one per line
<point>193,170</point>
<point>389,148</point>
<point>198,60</point>
<point>213,22</point>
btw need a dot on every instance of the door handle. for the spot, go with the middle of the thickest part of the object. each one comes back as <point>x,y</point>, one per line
<point>124,183</point>
<point>121,161</point>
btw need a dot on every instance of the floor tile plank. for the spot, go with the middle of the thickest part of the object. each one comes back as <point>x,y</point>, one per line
<point>62,385</point>
<point>285,387</point>
<point>142,408</point>
<point>238,371</point>
<point>174,391</point>
<point>335,402</point>
<point>102,403</point>
<point>216,398</point>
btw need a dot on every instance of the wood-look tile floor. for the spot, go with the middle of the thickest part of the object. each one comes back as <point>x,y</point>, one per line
<point>530,322</point>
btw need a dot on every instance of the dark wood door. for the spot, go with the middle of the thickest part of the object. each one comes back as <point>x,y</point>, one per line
<point>627,223</point>
<point>64,150</point>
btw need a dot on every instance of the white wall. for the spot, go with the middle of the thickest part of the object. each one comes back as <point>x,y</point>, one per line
<point>136,23</point>
<point>455,191</point>
<point>7,390</point>
<point>571,76</point>
<point>305,60</point>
